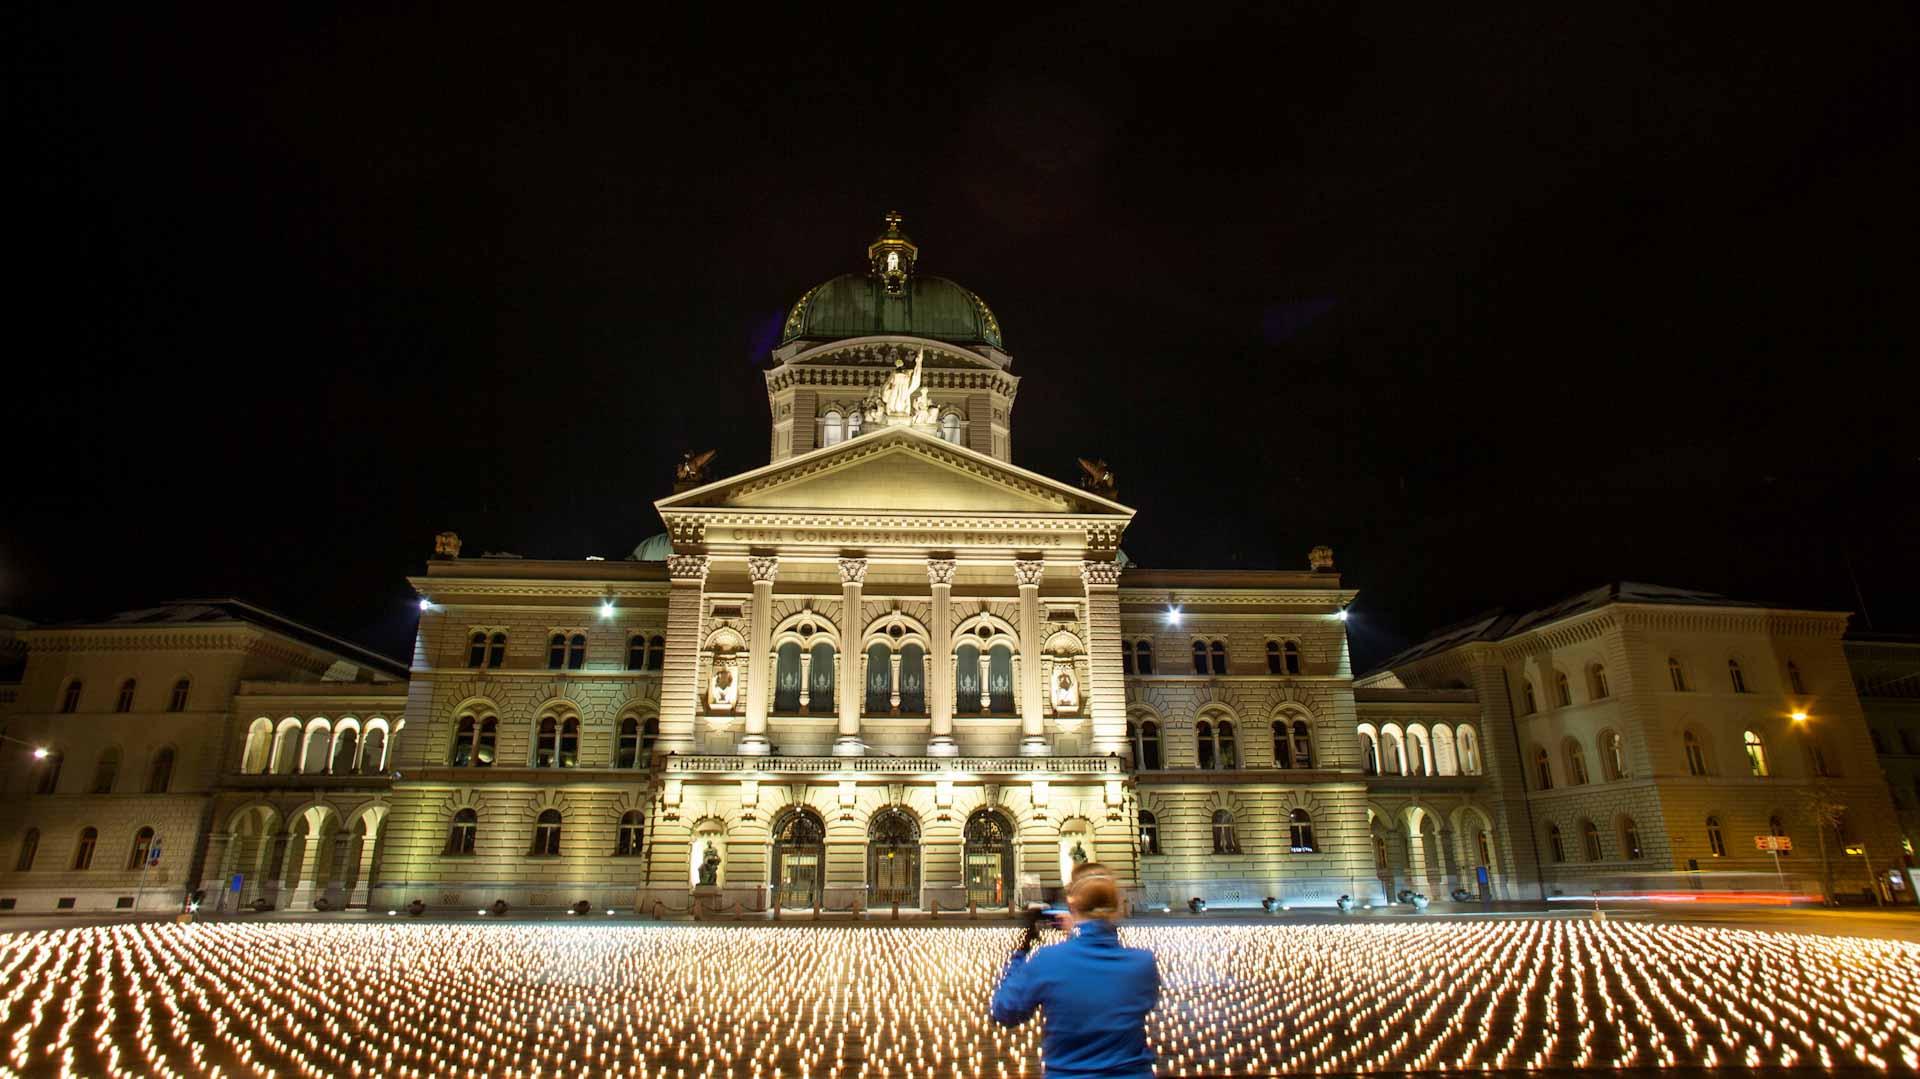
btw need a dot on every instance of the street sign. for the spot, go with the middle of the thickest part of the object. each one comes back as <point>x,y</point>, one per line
<point>153,855</point>
<point>1773,842</point>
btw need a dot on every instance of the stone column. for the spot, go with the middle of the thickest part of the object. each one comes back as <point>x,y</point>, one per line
<point>853,574</point>
<point>679,689</point>
<point>940,663</point>
<point>1033,721</point>
<point>312,877</point>
<point>219,870</point>
<point>1104,697</point>
<point>362,892</point>
<point>759,656</point>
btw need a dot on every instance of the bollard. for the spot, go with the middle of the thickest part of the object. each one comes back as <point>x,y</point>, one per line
<point>659,910</point>
<point>933,910</point>
<point>776,910</point>
<point>816,908</point>
<point>896,910</point>
<point>973,908</point>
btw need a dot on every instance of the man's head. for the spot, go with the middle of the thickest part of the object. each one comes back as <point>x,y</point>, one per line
<point>1091,893</point>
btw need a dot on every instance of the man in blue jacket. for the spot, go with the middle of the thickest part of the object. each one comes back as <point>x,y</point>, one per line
<point>1097,994</point>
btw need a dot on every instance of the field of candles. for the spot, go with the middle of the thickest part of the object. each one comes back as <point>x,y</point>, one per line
<point>680,1002</point>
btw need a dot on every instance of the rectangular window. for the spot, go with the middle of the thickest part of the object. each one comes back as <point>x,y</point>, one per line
<point>66,903</point>
<point>125,902</point>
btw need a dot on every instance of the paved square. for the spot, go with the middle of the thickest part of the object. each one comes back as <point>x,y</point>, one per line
<point>585,997</point>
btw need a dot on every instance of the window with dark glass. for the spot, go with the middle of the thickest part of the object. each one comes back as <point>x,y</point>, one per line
<point>546,834</point>
<point>70,701</point>
<point>1199,657</point>
<point>1219,652</point>
<point>29,846</point>
<point>1716,842</point>
<point>1556,844</point>
<point>1145,736</point>
<point>820,680</point>
<point>496,649</point>
<point>177,700</point>
<point>913,679</point>
<point>1273,658</point>
<point>557,652</point>
<point>1300,832</point>
<point>1149,833</point>
<point>106,770</point>
<point>1225,839</point>
<point>477,650</point>
<point>786,678</point>
<point>1204,745</point>
<point>1000,680</point>
<point>546,743</point>
<point>1591,834</point>
<point>631,842</point>
<point>1143,657</point>
<point>656,653</point>
<point>124,702</point>
<point>83,851</point>
<point>627,748</point>
<point>462,832</point>
<point>1736,677</point>
<point>160,776</point>
<point>576,651</point>
<point>142,848</point>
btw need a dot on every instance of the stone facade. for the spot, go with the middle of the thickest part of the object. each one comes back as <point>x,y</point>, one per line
<point>1886,675</point>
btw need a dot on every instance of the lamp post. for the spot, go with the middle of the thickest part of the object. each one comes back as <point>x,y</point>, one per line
<point>1825,812</point>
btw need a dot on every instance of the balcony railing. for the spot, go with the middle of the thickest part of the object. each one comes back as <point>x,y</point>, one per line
<point>711,763</point>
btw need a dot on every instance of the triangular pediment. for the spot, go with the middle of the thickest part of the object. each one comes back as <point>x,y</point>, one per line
<point>894,470</point>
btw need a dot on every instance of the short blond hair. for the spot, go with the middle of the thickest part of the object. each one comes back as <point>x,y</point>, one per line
<point>1092,894</point>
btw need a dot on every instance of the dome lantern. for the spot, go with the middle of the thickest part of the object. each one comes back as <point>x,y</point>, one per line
<point>892,256</point>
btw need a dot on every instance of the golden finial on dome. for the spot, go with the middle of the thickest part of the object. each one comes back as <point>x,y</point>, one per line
<point>892,256</point>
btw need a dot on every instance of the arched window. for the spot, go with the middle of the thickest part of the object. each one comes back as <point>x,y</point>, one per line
<point>637,652</point>
<point>1562,690</point>
<point>1613,756</point>
<point>29,846</point>
<point>626,752</point>
<point>1229,749</point>
<point>853,423</point>
<point>462,832</point>
<point>631,841</point>
<point>1576,764</point>
<point>1556,844</point>
<point>124,702</point>
<point>820,679</point>
<point>106,770</point>
<point>1778,829</point>
<point>1794,681</point>
<point>1149,833</point>
<point>1542,770</point>
<point>1817,758</point>
<point>879,678</point>
<point>893,858</point>
<point>799,858</point>
<point>1469,751</point>
<point>1696,754</point>
<point>1300,832</point>
<point>913,679</point>
<point>1273,657</point>
<point>1630,839</point>
<point>656,652</point>
<point>345,745</point>
<point>83,851</point>
<point>496,649</point>
<point>570,742</point>
<point>576,651</point>
<point>1143,657</point>
<point>142,848</point>
<point>1597,681</point>
<point>557,652</point>
<point>1145,737</point>
<point>546,743</point>
<point>1756,752</point>
<point>177,700</point>
<point>1716,842</point>
<point>546,835</point>
<point>1199,657</point>
<point>70,700</point>
<point>1290,657</point>
<point>1283,745</point>
<point>1736,677</point>
<point>1000,679</point>
<point>1203,744</point>
<point>1676,675</point>
<point>1302,744</point>
<point>258,756</point>
<point>314,760</point>
<point>830,430</point>
<point>477,650</point>
<point>786,678</point>
<point>1219,650</point>
<point>286,747</point>
<point>1590,835</point>
<point>160,776</point>
<point>1528,705</point>
<point>649,734</point>
<point>966,683</point>
<point>1225,839</point>
<point>950,428</point>
<point>1369,754</point>
<point>989,859</point>
<point>465,732</point>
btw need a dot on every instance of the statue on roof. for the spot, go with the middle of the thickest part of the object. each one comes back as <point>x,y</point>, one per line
<point>1098,478</point>
<point>692,469</point>
<point>901,385</point>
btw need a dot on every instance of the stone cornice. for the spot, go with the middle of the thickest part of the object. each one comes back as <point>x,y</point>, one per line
<point>524,586</point>
<point>1142,600</point>
<point>169,639</point>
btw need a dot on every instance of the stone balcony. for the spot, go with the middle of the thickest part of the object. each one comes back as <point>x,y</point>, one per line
<point>717,764</point>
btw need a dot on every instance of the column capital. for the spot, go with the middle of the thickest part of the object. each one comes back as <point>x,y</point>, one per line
<point>1028,571</point>
<point>762,568</point>
<point>688,567</point>
<point>853,570</point>
<point>1099,574</point>
<point>940,571</point>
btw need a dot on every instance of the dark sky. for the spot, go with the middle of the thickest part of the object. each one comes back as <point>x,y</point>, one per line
<point>1500,306</point>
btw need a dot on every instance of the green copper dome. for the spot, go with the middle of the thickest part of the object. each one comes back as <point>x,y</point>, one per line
<point>892,299</point>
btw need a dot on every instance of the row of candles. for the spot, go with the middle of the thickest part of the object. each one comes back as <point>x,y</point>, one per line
<point>676,1002</point>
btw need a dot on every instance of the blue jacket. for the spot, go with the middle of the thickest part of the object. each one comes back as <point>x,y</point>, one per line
<point>1097,995</point>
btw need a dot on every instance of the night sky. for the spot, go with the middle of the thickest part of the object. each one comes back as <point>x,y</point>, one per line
<point>1499,306</point>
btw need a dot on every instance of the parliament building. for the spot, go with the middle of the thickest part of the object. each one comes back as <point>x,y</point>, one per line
<point>891,667</point>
